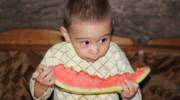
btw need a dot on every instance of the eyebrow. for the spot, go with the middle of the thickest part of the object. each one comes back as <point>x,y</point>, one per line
<point>84,38</point>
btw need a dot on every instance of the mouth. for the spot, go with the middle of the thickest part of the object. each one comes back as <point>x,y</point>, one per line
<point>91,59</point>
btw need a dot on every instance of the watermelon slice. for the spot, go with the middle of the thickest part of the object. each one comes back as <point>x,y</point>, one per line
<point>83,83</point>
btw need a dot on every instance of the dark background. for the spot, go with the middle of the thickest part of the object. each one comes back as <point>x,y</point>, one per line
<point>141,20</point>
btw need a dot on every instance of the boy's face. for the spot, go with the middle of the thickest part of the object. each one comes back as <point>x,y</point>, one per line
<point>90,39</point>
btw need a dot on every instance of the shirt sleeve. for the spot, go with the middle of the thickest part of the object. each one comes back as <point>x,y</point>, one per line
<point>125,66</point>
<point>49,60</point>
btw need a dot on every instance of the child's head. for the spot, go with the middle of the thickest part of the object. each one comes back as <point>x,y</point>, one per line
<point>87,25</point>
<point>86,10</point>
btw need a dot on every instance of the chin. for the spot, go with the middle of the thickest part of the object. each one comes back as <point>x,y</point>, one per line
<point>89,59</point>
<point>92,60</point>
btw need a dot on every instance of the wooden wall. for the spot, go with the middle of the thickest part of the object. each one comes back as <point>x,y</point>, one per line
<point>141,20</point>
<point>19,57</point>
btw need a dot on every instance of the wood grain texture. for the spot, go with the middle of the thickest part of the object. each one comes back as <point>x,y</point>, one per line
<point>171,42</point>
<point>40,39</point>
<point>22,50</point>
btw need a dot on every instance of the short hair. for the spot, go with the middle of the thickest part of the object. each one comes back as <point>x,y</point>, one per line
<point>86,10</point>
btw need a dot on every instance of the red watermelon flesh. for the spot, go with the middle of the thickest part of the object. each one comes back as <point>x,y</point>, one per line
<point>83,83</point>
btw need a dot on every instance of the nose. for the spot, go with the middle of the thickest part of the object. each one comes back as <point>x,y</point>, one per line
<point>95,49</point>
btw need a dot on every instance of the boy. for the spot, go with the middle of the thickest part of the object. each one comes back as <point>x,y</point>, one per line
<point>87,31</point>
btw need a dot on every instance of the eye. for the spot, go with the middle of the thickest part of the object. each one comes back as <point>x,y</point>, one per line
<point>85,43</point>
<point>103,40</point>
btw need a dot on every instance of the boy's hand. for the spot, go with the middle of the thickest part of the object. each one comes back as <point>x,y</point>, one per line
<point>44,76</point>
<point>130,89</point>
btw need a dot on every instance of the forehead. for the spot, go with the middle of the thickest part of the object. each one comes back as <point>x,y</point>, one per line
<point>90,28</point>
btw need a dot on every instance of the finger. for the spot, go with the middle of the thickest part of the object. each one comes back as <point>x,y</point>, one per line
<point>127,92</point>
<point>45,73</point>
<point>124,91</point>
<point>46,83</point>
<point>35,75</point>
<point>49,80</point>
<point>135,86</point>
<point>39,70</point>
<point>132,88</point>
<point>40,67</point>
<point>125,85</point>
<point>45,76</point>
<point>50,76</point>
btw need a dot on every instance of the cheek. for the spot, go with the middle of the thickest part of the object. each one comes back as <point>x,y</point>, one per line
<point>104,49</point>
<point>82,51</point>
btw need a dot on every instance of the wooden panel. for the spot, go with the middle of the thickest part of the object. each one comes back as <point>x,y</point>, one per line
<point>30,37</point>
<point>40,39</point>
<point>122,40</point>
<point>169,42</point>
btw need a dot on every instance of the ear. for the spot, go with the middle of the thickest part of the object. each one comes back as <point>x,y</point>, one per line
<point>64,33</point>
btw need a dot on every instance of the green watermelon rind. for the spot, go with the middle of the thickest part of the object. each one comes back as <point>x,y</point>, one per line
<point>77,90</point>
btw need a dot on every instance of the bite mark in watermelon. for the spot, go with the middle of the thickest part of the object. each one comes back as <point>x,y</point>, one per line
<point>83,83</point>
